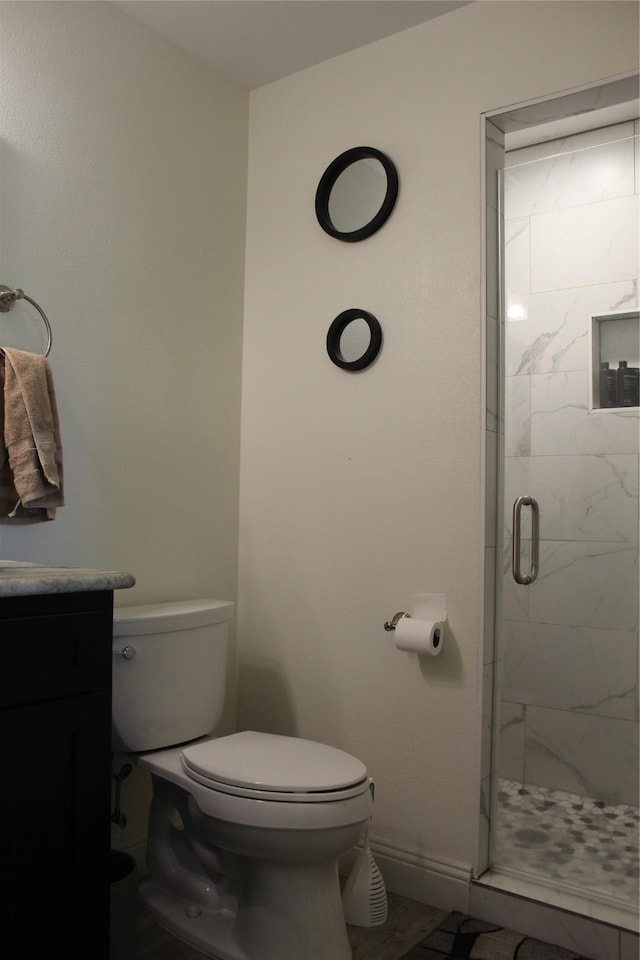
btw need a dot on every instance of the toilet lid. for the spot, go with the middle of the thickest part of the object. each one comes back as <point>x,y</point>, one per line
<point>268,766</point>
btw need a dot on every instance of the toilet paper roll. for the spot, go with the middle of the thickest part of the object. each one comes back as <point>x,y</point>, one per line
<point>419,636</point>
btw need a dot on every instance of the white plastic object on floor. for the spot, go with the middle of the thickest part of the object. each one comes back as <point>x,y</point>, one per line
<point>364,897</point>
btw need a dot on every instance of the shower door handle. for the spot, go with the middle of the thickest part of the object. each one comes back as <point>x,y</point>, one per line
<point>518,575</point>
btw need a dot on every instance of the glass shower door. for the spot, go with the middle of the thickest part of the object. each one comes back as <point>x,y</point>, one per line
<point>565,808</point>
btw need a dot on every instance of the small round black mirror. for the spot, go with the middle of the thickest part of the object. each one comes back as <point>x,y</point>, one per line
<point>356,194</point>
<point>354,339</point>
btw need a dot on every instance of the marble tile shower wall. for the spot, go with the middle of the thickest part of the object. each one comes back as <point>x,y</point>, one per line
<point>569,704</point>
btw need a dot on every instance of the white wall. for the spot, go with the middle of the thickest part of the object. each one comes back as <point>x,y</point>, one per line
<point>123,190</point>
<point>359,490</point>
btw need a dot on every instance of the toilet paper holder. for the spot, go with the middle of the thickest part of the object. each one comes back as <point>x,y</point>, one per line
<point>393,623</point>
<point>425,606</point>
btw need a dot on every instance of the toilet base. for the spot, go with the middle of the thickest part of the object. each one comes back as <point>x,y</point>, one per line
<point>312,929</point>
<point>201,932</point>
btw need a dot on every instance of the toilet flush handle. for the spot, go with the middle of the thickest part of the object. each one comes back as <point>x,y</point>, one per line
<point>128,652</point>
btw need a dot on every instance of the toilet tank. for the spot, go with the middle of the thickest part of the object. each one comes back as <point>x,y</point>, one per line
<point>169,672</point>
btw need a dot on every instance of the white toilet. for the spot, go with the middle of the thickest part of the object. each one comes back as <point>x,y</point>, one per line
<point>245,831</point>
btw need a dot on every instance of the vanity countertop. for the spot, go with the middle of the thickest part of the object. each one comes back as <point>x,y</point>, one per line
<point>18,579</point>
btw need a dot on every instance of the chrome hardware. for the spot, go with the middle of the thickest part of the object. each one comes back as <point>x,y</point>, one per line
<point>8,297</point>
<point>393,623</point>
<point>119,816</point>
<point>128,652</point>
<point>518,576</point>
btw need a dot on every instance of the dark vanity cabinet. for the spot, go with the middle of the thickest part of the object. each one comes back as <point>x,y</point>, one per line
<point>55,742</point>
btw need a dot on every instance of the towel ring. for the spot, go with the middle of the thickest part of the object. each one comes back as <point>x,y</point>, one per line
<point>7,299</point>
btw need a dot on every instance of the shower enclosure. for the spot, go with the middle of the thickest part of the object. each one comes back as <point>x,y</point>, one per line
<point>565,763</point>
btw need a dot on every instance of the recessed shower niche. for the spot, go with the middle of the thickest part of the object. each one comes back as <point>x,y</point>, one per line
<point>615,360</point>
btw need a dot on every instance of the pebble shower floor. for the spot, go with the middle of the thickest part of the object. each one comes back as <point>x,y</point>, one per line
<point>572,839</point>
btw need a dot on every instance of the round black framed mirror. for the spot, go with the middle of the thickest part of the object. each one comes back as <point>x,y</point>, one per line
<point>356,194</point>
<point>354,339</point>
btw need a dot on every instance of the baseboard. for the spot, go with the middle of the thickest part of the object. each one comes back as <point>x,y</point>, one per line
<point>440,883</point>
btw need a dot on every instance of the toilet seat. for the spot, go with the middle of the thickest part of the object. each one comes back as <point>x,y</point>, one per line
<point>261,809</point>
<point>263,766</point>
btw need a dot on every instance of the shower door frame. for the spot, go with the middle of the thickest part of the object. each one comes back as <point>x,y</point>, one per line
<point>544,119</point>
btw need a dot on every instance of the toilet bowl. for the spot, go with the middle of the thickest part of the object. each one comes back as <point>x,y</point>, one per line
<point>245,831</point>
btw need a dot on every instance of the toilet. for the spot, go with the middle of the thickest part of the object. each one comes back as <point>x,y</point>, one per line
<point>245,831</point>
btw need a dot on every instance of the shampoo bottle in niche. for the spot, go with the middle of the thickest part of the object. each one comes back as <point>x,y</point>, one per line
<point>628,385</point>
<point>608,385</point>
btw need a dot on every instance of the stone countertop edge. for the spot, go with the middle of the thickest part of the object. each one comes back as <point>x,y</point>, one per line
<point>18,579</point>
